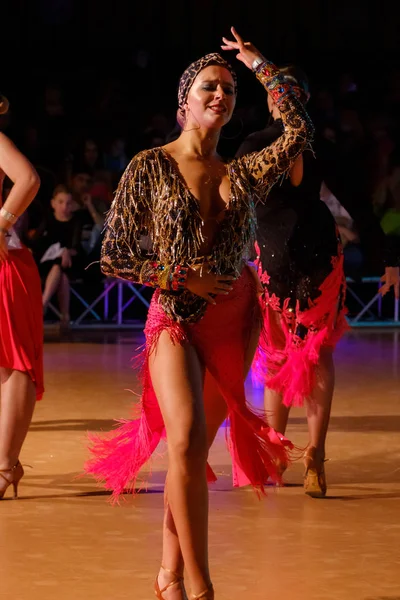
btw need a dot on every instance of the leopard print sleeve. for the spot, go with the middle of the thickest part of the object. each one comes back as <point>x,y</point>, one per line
<point>264,167</point>
<point>129,222</point>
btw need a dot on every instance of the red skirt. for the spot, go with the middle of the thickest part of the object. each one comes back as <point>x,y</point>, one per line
<point>21,317</point>
<point>221,340</point>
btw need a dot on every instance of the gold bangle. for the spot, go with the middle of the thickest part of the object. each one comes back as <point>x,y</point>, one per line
<point>163,278</point>
<point>8,216</point>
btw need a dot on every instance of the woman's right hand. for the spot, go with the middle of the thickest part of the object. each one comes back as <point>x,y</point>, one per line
<point>246,52</point>
<point>3,247</point>
<point>203,283</point>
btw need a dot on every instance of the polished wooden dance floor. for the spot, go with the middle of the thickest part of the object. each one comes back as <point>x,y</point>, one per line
<point>62,539</point>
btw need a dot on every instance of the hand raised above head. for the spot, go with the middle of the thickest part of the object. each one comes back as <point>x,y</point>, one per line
<point>247,53</point>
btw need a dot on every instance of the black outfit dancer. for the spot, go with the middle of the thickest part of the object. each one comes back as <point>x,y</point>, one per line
<point>300,263</point>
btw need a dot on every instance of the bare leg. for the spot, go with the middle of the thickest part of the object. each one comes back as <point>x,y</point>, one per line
<point>215,411</point>
<point>319,407</point>
<point>277,413</point>
<point>64,298</point>
<point>177,377</point>
<point>18,401</point>
<point>52,284</point>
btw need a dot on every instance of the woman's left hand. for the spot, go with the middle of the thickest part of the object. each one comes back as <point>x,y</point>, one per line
<point>389,279</point>
<point>247,53</point>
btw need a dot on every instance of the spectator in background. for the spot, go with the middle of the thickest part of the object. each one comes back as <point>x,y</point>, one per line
<point>353,255</point>
<point>91,157</point>
<point>93,207</point>
<point>387,201</point>
<point>58,250</point>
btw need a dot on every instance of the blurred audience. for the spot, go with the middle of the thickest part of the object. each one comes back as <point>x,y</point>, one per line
<point>81,145</point>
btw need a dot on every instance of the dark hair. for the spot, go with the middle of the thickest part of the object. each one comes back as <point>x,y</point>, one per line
<point>298,79</point>
<point>4,105</point>
<point>61,188</point>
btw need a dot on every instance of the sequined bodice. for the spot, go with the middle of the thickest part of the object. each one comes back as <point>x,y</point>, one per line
<point>153,203</point>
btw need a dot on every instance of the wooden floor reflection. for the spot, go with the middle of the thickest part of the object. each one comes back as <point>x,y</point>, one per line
<point>63,540</point>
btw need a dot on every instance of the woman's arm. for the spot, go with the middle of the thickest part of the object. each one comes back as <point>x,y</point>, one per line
<point>26,184</point>
<point>128,221</point>
<point>265,166</point>
<point>24,177</point>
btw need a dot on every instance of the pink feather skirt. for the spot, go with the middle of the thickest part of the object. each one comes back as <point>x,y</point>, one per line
<point>220,338</point>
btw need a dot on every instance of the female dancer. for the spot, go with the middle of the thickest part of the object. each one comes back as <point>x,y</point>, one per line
<point>199,214</point>
<point>21,329</point>
<point>300,263</point>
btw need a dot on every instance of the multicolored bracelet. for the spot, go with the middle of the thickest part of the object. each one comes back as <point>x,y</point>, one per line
<point>178,278</point>
<point>279,89</point>
<point>276,85</point>
<point>162,276</point>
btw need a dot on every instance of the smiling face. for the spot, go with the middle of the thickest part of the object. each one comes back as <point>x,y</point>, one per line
<point>211,99</point>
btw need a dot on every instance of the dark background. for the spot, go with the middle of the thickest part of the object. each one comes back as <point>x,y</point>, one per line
<point>92,70</point>
<point>144,46</point>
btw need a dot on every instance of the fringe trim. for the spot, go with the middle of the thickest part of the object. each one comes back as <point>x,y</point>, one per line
<point>291,369</point>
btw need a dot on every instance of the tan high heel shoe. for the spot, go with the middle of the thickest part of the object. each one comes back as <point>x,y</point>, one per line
<point>208,594</point>
<point>314,476</point>
<point>16,473</point>
<point>177,581</point>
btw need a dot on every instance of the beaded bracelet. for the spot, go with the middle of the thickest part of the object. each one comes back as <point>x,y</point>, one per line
<point>278,89</point>
<point>165,277</point>
<point>178,278</point>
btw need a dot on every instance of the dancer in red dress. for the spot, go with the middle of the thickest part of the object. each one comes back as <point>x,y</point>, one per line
<point>198,211</point>
<point>21,315</point>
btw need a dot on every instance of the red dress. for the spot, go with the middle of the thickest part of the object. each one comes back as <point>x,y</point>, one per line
<point>21,316</point>
<point>154,204</point>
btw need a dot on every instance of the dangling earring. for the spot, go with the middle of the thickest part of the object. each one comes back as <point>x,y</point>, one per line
<point>181,118</point>
<point>185,119</point>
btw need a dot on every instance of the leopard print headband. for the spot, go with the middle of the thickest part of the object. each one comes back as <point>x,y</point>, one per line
<point>188,77</point>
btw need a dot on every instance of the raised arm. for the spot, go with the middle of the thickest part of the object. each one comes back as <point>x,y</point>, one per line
<point>128,223</point>
<point>265,166</point>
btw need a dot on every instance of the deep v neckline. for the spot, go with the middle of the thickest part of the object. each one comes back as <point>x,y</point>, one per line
<point>175,167</point>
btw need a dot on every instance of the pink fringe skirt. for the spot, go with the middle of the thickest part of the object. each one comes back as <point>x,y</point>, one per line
<point>221,340</point>
<point>286,362</point>
<point>21,317</point>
